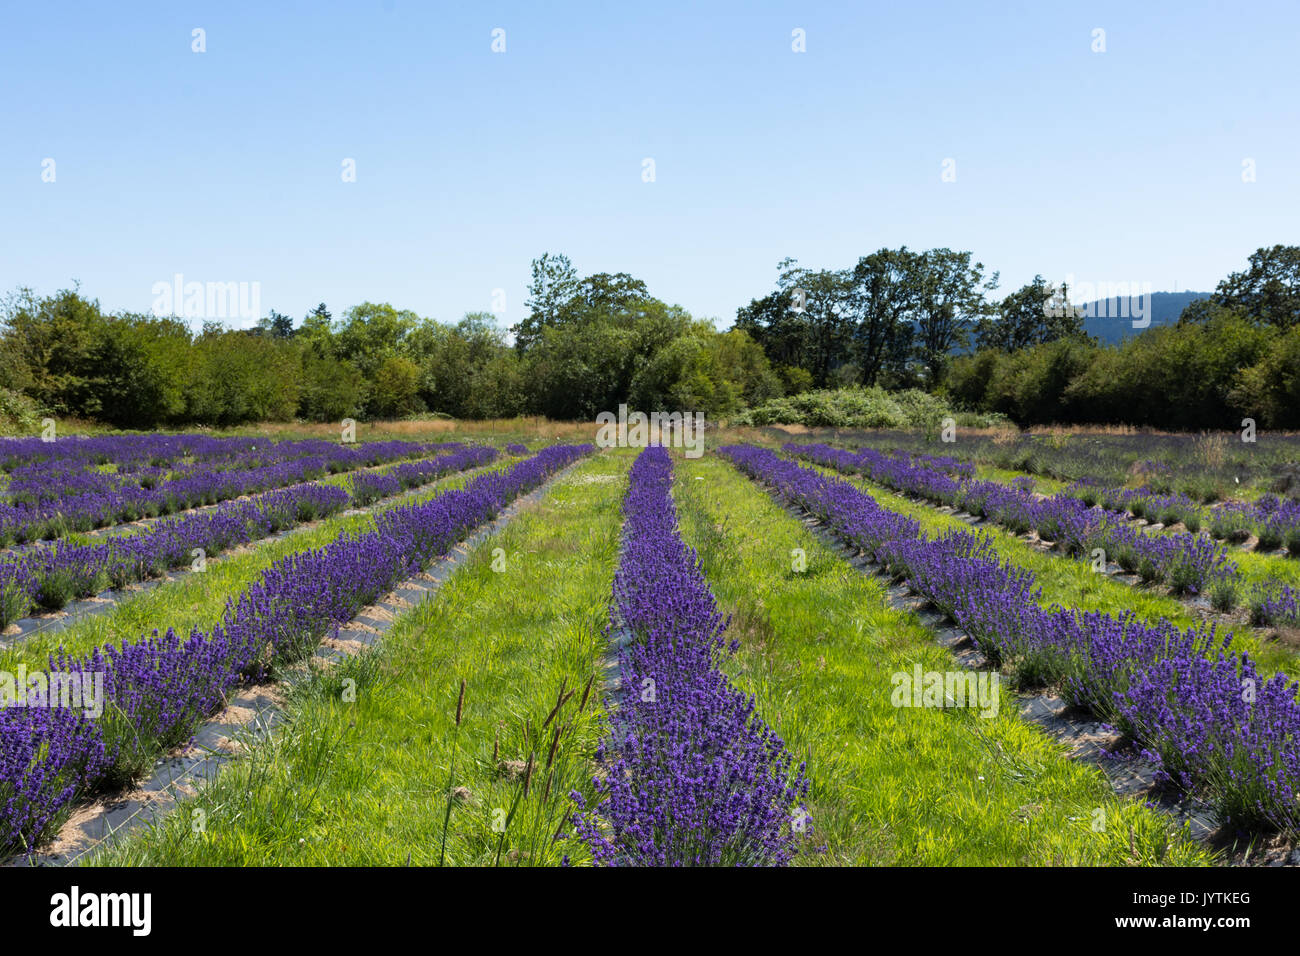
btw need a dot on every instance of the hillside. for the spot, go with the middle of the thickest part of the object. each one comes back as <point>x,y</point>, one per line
<point>1165,308</point>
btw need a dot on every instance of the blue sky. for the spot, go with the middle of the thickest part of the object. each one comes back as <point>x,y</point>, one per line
<point>1124,165</point>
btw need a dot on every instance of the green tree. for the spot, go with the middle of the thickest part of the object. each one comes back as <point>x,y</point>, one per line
<point>1269,389</point>
<point>554,284</point>
<point>949,303</point>
<point>397,388</point>
<point>1036,313</point>
<point>1269,291</point>
<point>240,378</point>
<point>885,290</point>
<point>332,389</point>
<point>275,325</point>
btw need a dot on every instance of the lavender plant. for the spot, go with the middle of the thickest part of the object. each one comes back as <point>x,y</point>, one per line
<point>691,775</point>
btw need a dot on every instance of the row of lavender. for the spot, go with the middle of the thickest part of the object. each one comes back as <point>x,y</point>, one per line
<point>54,515</point>
<point>126,452</point>
<point>77,465</point>
<point>47,577</point>
<point>158,691</point>
<point>1274,521</point>
<point>693,775</point>
<point>1188,563</point>
<point>1209,719</point>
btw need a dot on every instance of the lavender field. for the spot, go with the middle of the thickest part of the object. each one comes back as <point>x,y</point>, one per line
<point>242,651</point>
<point>609,440</point>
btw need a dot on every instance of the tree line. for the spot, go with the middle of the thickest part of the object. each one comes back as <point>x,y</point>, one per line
<point>897,318</point>
<point>588,344</point>
<point>926,319</point>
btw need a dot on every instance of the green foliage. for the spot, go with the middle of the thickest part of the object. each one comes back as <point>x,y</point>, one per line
<point>1032,383</point>
<point>1034,314</point>
<point>331,389</point>
<point>1269,291</point>
<point>19,415</point>
<point>1269,389</point>
<point>580,371</point>
<point>860,408</point>
<point>554,284</point>
<point>238,377</point>
<point>1207,373</point>
<point>397,388</point>
<point>70,358</point>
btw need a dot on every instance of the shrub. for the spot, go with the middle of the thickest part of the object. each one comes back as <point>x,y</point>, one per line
<point>862,408</point>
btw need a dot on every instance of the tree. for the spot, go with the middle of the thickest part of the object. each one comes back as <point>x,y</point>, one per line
<point>885,289</point>
<point>575,372</point>
<point>275,325</point>
<point>1269,291</point>
<point>317,332</point>
<point>452,360</point>
<point>807,322</point>
<point>1035,313</point>
<point>554,284</point>
<point>616,296</point>
<point>396,389</point>
<point>331,390</point>
<point>949,303</point>
<point>781,332</point>
<point>1270,389</point>
<point>241,378</point>
<point>370,332</point>
<point>51,342</point>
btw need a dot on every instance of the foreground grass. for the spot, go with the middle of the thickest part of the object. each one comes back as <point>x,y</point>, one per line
<point>1070,582</point>
<point>911,786</point>
<point>198,599</point>
<point>389,777</point>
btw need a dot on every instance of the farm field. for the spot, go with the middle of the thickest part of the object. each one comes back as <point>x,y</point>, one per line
<point>838,651</point>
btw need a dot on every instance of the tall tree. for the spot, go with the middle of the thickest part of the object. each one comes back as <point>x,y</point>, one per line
<point>1269,291</point>
<point>949,302</point>
<point>885,291</point>
<point>1037,312</point>
<point>554,284</point>
<point>275,325</point>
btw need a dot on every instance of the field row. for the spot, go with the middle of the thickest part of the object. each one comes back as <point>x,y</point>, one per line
<point>47,578</point>
<point>1190,564</point>
<point>75,489</point>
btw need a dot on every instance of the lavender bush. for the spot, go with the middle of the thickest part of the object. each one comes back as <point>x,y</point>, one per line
<point>693,777</point>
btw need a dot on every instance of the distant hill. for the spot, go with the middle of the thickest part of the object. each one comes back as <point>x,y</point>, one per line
<point>1164,309</point>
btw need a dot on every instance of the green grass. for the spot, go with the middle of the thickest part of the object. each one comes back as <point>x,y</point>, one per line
<point>367,782</point>
<point>1071,582</point>
<point>909,786</point>
<point>198,599</point>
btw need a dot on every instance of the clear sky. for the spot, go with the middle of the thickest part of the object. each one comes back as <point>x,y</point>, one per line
<point>227,165</point>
